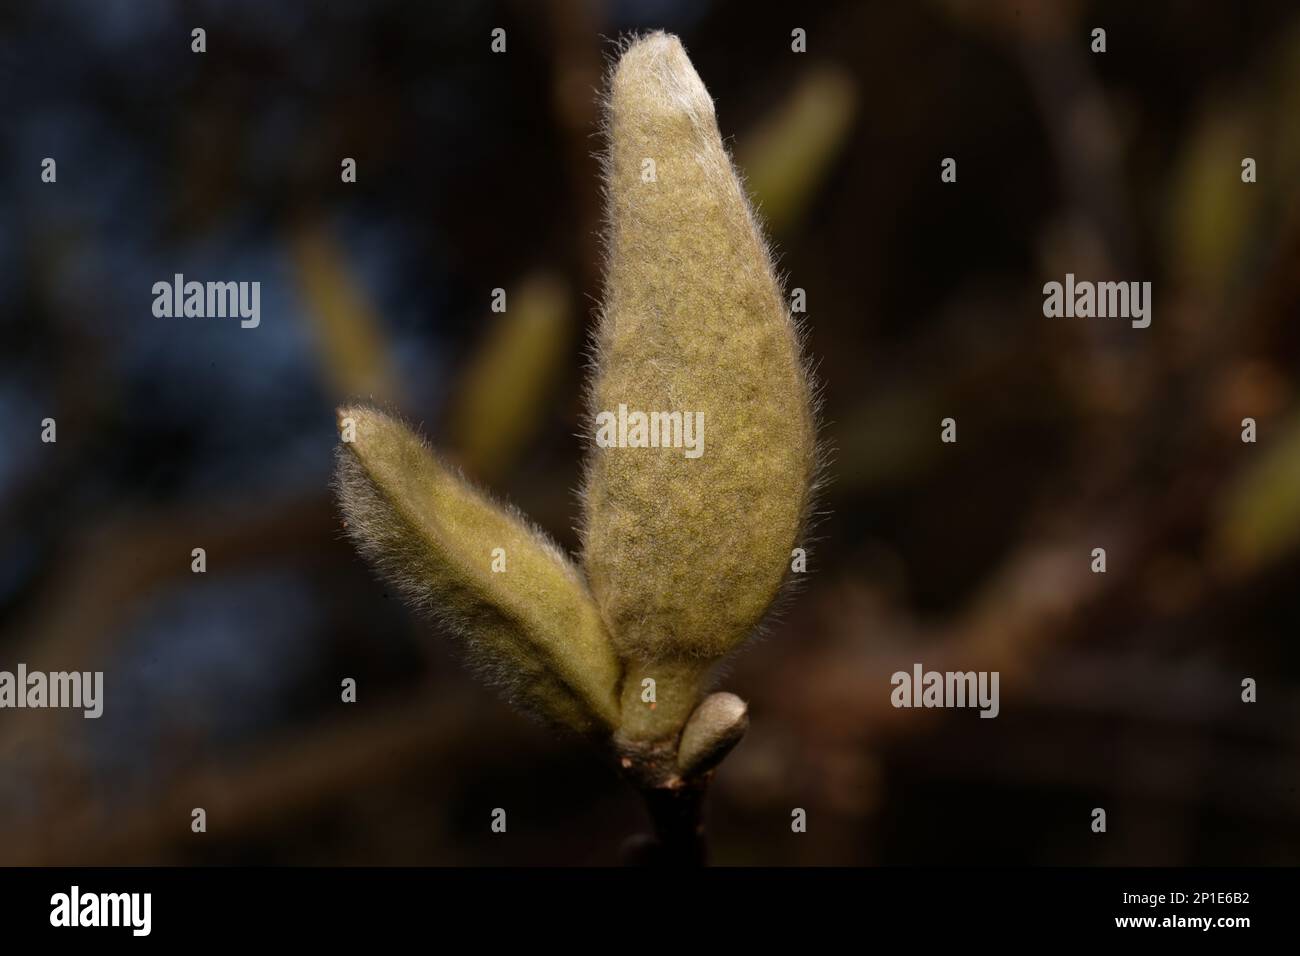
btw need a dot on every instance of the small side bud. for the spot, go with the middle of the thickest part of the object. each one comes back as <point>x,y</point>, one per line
<point>713,730</point>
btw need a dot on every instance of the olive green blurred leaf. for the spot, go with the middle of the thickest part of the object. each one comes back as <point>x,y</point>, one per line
<point>502,396</point>
<point>348,331</point>
<point>1259,519</point>
<point>787,157</point>
<point>1210,209</point>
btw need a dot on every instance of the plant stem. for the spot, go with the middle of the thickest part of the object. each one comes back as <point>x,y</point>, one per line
<point>677,813</point>
<point>675,804</point>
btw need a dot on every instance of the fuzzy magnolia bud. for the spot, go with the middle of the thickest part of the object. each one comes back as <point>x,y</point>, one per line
<point>713,730</point>
<point>686,552</point>
<point>528,624</point>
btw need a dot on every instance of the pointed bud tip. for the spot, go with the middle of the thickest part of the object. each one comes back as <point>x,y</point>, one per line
<point>655,73</point>
<point>355,415</point>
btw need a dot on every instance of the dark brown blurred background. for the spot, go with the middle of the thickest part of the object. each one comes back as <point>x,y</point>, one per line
<point>475,171</point>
